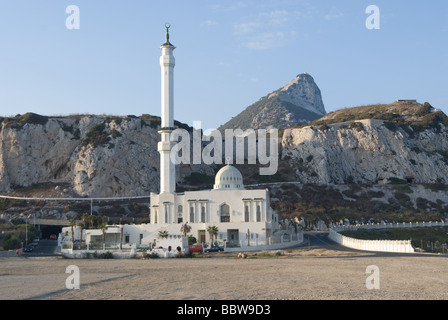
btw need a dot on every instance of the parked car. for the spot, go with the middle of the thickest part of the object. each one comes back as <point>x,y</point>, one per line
<point>214,249</point>
<point>28,248</point>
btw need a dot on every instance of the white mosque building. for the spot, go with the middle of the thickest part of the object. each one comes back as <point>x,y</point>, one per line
<point>243,218</point>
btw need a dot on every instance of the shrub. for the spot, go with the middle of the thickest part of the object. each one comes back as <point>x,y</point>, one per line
<point>97,136</point>
<point>357,126</point>
<point>395,180</point>
<point>153,255</point>
<point>19,121</point>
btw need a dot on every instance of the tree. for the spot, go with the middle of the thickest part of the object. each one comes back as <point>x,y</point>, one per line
<point>85,217</point>
<point>163,234</point>
<point>91,220</point>
<point>72,224</point>
<point>103,228</point>
<point>212,231</point>
<point>81,225</point>
<point>185,228</point>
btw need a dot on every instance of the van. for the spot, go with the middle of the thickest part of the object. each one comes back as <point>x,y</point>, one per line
<point>195,248</point>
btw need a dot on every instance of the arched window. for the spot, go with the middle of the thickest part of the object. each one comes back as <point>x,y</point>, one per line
<point>203,213</point>
<point>225,213</point>
<point>246,213</point>
<point>179,214</point>
<point>166,214</point>
<point>191,214</point>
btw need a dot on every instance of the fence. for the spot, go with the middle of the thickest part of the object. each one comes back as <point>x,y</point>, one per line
<point>389,225</point>
<point>273,243</point>
<point>372,245</point>
<point>379,245</point>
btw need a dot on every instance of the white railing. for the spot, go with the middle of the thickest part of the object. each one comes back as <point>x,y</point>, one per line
<point>389,225</point>
<point>372,245</point>
<point>379,245</point>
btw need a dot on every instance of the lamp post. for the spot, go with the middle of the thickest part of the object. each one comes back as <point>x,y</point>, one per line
<point>26,231</point>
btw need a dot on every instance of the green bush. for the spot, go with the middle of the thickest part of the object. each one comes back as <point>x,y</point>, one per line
<point>395,180</point>
<point>153,255</point>
<point>357,126</point>
<point>19,121</point>
<point>97,136</point>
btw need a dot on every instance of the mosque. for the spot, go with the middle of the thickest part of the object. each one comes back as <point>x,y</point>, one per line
<point>240,217</point>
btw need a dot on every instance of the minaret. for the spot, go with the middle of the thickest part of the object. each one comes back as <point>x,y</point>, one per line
<point>167,168</point>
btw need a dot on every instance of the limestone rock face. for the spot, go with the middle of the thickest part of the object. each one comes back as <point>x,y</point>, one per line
<point>366,151</point>
<point>98,156</point>
<point>127,165</point>
<point>298,102</point>
<point>303,92</point>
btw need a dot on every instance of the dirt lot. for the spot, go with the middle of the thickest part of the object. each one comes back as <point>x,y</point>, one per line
<point>298,275</point>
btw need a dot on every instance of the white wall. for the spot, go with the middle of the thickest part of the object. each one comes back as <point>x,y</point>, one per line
<point>372,245</point>
<point>379,245</point>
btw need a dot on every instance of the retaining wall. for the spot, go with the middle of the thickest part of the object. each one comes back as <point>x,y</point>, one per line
<point>379,245</point>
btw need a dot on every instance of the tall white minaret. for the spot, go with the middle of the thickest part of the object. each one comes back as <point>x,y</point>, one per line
<point>167,168</point>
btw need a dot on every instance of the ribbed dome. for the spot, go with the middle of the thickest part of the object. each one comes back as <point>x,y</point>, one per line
<point>228,178</point>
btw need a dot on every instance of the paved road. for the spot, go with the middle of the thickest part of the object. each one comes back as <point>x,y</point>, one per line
<point>320,240</point>
<point>44,249</point>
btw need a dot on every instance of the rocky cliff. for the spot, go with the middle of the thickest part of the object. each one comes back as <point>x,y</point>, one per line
<point>96,156</point>
<point>300,101</point>
<point>372,144</point>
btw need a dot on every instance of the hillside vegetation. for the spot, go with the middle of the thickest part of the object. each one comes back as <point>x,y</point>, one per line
<point>404,114</point>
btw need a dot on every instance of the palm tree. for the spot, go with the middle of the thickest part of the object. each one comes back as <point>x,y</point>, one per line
<point>91,220</point>
<point>185,228</point>
<point>103,227</point>
<point>163,234</point>
<point>81,225</point>
<point>86,220</point>
<point>72,224</point>
<point>212,231</point>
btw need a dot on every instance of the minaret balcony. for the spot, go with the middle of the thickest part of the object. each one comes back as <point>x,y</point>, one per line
<point>164,146</point>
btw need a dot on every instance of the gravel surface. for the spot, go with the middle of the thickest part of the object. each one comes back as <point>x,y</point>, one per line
<point>297,275</point>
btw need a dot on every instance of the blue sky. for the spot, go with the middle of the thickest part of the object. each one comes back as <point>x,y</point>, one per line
<point>228,54</point>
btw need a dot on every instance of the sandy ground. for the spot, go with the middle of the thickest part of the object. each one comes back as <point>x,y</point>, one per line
<point>298,275</point>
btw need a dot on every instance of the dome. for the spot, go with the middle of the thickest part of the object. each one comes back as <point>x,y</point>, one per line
<point>228,178</point>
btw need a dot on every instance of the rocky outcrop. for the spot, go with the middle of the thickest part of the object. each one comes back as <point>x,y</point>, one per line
<point>368,151</point>
<point>98,156</point>
<point>298,102</point>
<point>303,92</point>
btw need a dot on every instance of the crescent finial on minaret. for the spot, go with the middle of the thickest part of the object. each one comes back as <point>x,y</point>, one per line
<point>167,35</point>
